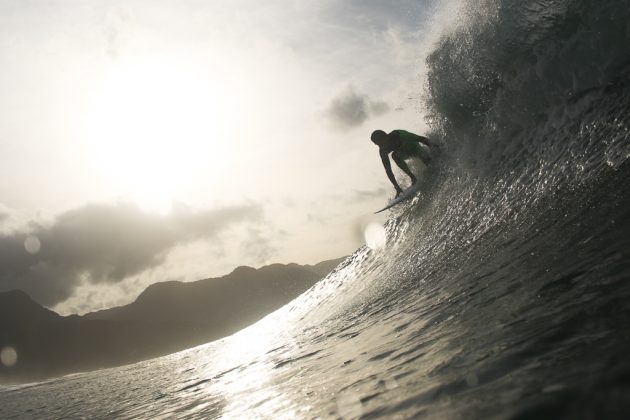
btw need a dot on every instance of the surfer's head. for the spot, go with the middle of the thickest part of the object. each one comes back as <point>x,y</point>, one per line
<point>379,138</point>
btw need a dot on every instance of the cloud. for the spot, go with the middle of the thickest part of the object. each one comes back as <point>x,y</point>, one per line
<point>356,196</point>
<point>103,244</point>
<point>114,31</point>
<point>377,14</point>
<point>317,218</point>
<point>5,216</point>
<point>364,195</point>
<point>351,109</point>
<point>257,247</point>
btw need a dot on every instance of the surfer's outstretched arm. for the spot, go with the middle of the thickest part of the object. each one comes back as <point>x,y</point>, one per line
<point>388,171</point>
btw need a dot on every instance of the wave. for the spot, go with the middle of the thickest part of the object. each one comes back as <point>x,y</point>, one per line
<point>502,290</point>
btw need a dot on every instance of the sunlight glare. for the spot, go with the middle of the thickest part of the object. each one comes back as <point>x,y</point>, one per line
<point>157,126</point>
<point>250,350</point>
<point>375,236</point>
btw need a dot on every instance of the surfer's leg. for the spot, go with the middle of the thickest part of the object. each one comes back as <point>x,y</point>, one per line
<point>423,154</point>
<point>403,165</point>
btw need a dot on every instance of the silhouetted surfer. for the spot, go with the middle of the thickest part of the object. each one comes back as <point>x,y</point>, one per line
<point>404,145</point>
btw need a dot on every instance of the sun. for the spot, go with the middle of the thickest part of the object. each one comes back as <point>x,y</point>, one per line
<point>157,127</point>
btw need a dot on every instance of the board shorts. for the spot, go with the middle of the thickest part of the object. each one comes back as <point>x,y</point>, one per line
<point>410,146</point>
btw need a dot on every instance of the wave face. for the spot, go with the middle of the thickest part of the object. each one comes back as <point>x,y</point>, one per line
<point>502,292</point>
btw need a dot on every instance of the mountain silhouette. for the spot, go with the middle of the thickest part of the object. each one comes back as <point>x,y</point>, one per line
<point>166,317</point>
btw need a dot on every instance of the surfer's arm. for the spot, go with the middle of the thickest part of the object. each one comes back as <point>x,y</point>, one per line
<point>388,171</point>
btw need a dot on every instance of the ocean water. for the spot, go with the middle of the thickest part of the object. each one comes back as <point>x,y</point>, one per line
<point>503,290</point>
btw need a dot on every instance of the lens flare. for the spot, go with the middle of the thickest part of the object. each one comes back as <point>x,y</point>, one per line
<point>8,356</point>
<point>32,244</point>
<point>375,237</point>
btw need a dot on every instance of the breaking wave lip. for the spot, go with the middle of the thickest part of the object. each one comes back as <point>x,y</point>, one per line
<point>528,204</point>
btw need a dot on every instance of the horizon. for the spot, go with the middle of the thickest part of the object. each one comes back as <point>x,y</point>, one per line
<point>177,142</point>
<point>220,276</point>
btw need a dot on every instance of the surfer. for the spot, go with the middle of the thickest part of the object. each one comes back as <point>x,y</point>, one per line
<point>404,145</point>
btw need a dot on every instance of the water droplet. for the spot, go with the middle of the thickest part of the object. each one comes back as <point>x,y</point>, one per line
<point>8,356</point>
<point>375,236</point>
<point>32,244</point>
<point>471,379</point>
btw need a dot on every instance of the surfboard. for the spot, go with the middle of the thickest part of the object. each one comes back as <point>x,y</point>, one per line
<point>404,196</point>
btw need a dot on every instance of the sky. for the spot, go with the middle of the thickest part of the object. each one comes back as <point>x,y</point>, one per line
<point>147,140</point>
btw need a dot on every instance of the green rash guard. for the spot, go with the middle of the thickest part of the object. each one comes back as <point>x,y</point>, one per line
<point>407,145</point>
